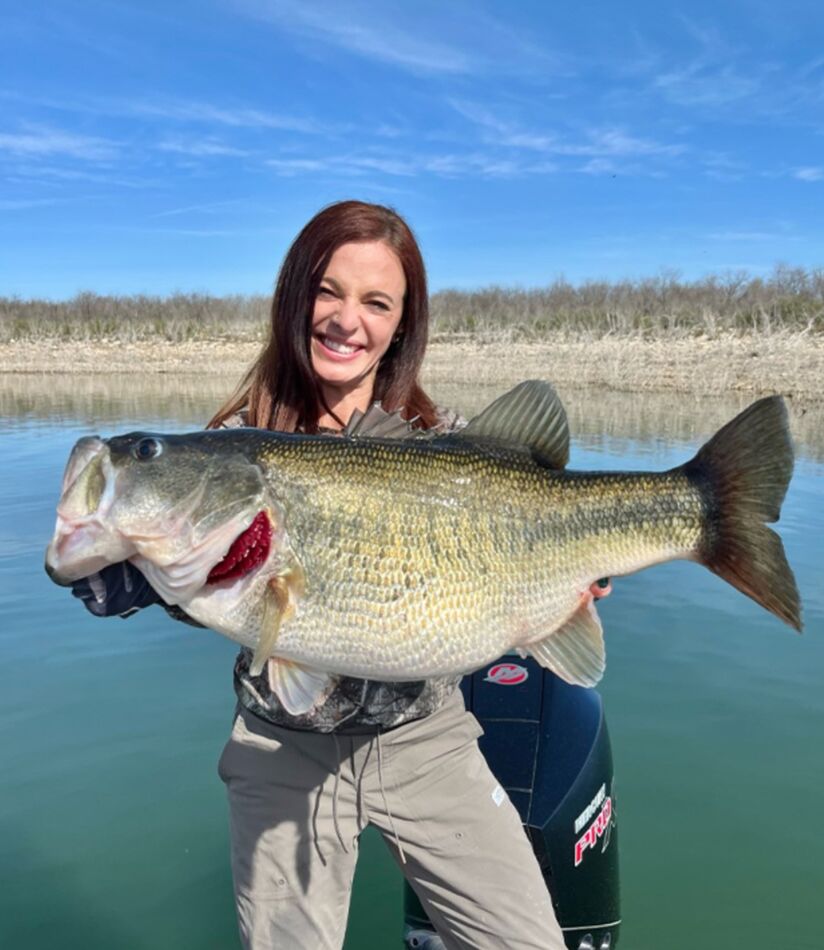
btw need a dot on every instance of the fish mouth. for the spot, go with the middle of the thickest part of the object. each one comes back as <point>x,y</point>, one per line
<point>246,553</point>
<point>83,542</point>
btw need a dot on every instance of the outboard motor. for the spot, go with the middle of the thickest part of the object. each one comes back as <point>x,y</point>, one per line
<point>547,743</point>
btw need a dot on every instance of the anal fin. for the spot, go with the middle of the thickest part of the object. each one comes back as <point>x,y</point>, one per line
<point>299,688</point>
<point>575,651</point>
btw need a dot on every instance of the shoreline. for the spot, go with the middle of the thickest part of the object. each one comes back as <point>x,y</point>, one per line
<point>792,365</point>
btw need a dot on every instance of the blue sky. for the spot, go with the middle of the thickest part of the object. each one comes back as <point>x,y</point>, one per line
<point>151,147</point>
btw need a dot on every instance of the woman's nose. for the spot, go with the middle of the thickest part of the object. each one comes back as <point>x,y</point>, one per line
<point>346,314</point>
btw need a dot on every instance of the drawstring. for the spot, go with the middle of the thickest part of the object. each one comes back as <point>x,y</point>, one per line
<point>335,801</point>
<point>335,794</point>
<point>385,801</point>
<point>315,811</point>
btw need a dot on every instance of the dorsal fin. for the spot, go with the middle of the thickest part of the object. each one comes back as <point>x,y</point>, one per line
<point>531,414</point>
<point>377,423</point>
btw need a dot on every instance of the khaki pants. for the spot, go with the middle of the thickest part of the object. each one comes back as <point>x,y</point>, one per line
<point>298,802</point>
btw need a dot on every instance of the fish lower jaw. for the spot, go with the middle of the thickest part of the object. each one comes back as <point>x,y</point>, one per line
<point>82,546</point>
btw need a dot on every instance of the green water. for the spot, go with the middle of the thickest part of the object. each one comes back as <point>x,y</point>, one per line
<point>112,818</point>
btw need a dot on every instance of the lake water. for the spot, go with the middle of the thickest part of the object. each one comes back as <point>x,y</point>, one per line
<point>112,818</point>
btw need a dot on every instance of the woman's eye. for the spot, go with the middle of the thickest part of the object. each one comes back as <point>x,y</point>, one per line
<point>325,292</point>
<point>378,304</point>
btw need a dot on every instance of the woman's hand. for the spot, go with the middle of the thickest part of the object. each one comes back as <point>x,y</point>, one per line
<point>116,591</point>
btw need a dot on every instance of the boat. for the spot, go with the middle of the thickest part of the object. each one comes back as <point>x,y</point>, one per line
<point>547,744</point>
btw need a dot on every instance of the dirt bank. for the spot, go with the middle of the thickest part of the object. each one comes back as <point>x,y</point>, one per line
<point>792,365</point>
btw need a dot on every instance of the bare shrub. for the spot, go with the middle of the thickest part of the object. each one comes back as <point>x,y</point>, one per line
<point>791,299</point>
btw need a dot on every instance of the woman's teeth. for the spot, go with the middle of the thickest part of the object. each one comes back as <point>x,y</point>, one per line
<point>338,347</point>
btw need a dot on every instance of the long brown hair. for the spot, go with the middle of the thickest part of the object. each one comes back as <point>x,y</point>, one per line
<point>280,390</point>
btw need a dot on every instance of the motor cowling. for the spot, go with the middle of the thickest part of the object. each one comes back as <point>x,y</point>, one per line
<point>547,744</point>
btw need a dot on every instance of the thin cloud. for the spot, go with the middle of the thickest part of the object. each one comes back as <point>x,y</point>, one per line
<point>297,166</point>
<point>365,31</point>
<point>389,166</point>
<point>611,167</point>
<point>211,207</point>
<point>175,109</point>
<point>500,130</point>
<point>704,85</point>
<point>37,141</point>
<point>346,164</point>
<point>480,164</point>
<point>721,77</point>
<point>458,39</point>
<point>745,236</point>
<point>202,232</point>
<point>48,175</point>
<point>206,148</point>
<point>350,166</point>
<point>600,143</point>
<point>599,166</point>
<point>708,38</point>
<point>205,232</point>
<point>616,141</point>
<point>24,204</point>
<point>183,110</point>
<point>810,173</point>
<point>451,165</point>
<point>712,77</point>
<point>807,70</point>
<point>719,166</point>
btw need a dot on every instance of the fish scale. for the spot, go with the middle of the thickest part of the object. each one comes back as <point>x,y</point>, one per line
<point>471,568</point>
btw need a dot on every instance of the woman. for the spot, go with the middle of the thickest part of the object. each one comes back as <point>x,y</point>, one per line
<point>348,328</point>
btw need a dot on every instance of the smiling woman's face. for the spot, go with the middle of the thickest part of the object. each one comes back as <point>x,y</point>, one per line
<point>357,312</point>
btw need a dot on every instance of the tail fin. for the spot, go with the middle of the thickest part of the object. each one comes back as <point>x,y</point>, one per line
<point>743,473</point>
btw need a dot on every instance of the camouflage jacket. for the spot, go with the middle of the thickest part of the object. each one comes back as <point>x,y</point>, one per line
<point>354,705</point>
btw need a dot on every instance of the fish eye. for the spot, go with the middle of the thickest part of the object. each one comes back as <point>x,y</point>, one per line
<point>147,449</point>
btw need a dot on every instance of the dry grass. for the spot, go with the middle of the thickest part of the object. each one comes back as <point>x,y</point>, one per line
<point>94,317</point>
<point>728,333</point>
<point>790,300</point>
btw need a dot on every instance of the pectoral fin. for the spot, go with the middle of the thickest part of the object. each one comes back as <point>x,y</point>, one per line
<point>299,688</point>
<point>264,648</point>
<point>575,651</point>
<point>280,600</point>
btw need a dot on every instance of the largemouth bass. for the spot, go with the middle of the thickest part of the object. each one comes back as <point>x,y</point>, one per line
<point>399,559</point>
